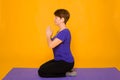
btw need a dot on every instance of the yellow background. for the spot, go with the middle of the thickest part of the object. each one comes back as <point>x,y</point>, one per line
<point>94,25</point>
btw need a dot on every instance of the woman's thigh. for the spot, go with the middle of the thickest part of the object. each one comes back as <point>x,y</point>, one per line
<point>53,66</point>
<point>46,64</point>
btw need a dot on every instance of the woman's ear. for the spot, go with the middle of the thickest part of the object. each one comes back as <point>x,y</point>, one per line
<point>62,19</point>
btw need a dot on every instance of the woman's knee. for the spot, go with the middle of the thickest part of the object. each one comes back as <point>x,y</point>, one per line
<point>41,73</point>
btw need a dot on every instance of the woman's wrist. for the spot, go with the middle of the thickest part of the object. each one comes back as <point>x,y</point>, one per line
<point>48,37</point>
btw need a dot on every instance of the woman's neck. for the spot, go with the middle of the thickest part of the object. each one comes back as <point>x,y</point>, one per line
<point>62,26</point>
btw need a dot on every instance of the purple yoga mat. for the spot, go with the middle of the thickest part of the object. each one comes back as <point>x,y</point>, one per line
<point>82,74</point>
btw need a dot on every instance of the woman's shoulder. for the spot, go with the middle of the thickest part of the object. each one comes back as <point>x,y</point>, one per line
<point>65,30</point>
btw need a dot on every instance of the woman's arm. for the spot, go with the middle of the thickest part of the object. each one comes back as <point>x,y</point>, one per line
<point>55,42</point>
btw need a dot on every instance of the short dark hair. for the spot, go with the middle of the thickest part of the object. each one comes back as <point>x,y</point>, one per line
<point>62,13</point>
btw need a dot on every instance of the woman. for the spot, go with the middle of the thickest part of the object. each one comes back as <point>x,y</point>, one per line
<point>63,61</point>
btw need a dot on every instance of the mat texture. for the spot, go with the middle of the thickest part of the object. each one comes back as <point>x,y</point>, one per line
<point>82,74</point>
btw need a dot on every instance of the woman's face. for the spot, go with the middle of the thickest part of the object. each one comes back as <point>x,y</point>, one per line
<point>57,20</point>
